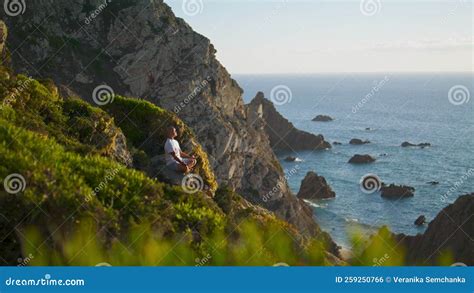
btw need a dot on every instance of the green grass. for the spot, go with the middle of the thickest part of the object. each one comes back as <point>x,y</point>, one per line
<point>150,217</point>
<point>145,126</point>
<point>62,187</point>
<point>73,123</point>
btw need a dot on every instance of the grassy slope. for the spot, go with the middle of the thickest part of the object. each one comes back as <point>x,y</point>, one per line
<point>71,182</point>
<point>145,124</point>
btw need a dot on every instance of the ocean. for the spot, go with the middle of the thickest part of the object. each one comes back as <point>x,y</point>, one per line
<point>386,109</point>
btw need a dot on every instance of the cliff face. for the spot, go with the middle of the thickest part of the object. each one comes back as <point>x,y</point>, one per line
<point>140,48</point>
<point>451,230</point>
<point>281,132</point>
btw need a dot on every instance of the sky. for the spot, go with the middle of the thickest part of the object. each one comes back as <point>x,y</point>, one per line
<point>297,36</point>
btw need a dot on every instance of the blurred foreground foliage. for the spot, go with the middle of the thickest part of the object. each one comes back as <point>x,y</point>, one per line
<point>254,245</point>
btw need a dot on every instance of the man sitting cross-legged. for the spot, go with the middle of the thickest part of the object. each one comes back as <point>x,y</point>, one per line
<point>176,159</point>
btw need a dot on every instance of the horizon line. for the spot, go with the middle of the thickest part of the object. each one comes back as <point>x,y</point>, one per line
<point>352,72</point>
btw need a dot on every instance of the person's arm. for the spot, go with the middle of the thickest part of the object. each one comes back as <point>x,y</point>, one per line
<point>185,155</point>
<point>173,154</point>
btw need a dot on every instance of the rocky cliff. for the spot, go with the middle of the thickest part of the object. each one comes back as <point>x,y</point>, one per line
<point>139,48</point>
<point>451,231</point>
<point>281,132</point>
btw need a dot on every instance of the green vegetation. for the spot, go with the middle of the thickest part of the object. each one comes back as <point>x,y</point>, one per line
<point>73,123</point>
<point>62,189</point>
<point>254,244</point>
<point>145,126</point>
<point>77,194</point>
<point>253,247</point>
<point>378,250</point>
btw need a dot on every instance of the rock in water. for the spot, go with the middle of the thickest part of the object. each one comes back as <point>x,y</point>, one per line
<point>361,159</point>
<point>336,143</point>
<point>420,220</point>
<point>281,133</point>
<point>358,141</point>
<point>451,230</point>
<point>315,187</point>
<point>433,182</point>
<point>290,159</point>
<point>323,118</point>
<point>409,144</point>
<point>393,191</point>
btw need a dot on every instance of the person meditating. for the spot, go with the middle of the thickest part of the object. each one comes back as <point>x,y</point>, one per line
<point>176,159</point>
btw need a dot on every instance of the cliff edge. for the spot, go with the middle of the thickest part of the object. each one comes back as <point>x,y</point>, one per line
<point>281,132</point>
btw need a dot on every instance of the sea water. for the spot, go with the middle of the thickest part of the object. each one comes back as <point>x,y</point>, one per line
<point>387,109</point>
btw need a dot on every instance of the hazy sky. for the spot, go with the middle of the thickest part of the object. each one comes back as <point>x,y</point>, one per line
<point>296,36</point>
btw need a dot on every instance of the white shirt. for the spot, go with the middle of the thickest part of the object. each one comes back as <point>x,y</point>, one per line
<point>172,145</point>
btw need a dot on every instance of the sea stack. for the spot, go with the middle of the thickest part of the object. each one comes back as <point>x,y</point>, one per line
<point>409,144</point>
<point>323,118</point>
<point>315,187</point>
<point>276,127</point>
<point>393,191</point>
<point>420,220</point>
<point>361,159</point>
<point>357,141</point>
